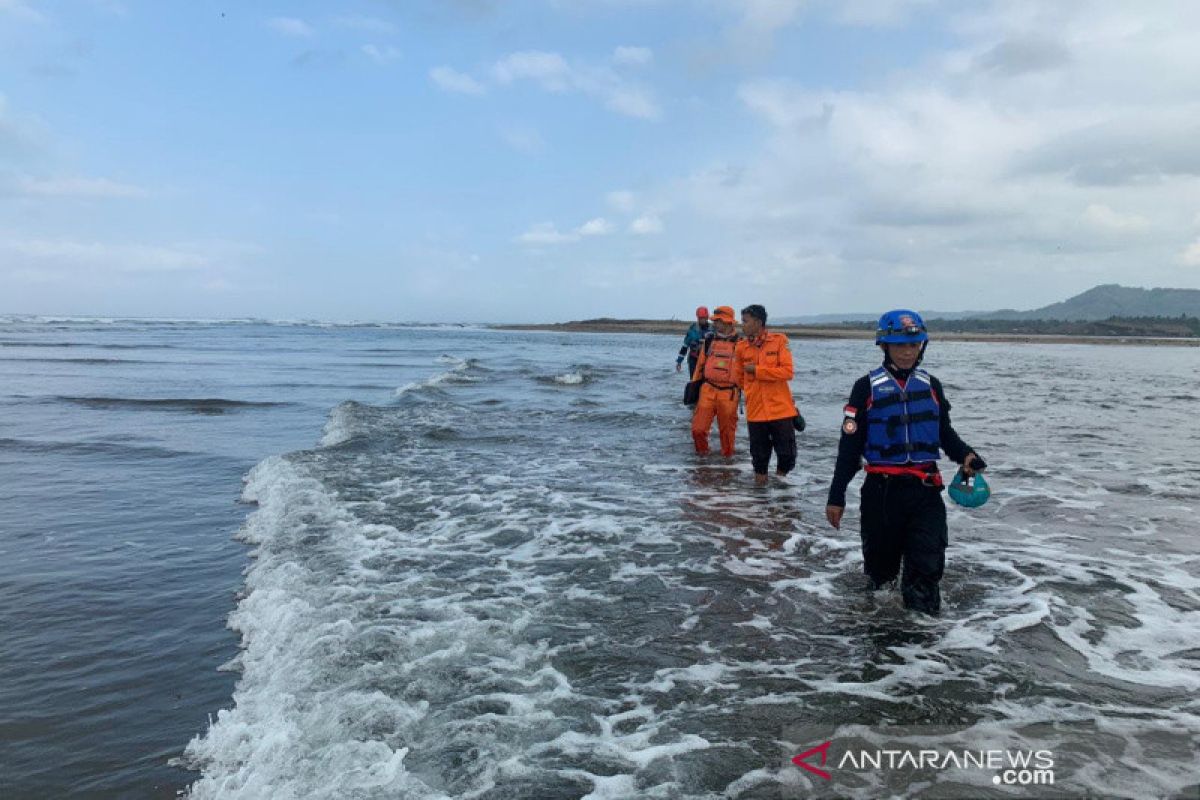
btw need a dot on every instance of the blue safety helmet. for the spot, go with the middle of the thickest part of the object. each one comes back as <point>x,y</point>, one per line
<point>967,492</point>
<point>901,327</point>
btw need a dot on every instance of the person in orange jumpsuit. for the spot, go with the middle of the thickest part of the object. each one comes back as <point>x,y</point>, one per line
<point>718,367</point>
<point>766,363</point>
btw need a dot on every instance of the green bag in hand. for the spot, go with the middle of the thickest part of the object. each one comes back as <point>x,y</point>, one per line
<point>967,493</point>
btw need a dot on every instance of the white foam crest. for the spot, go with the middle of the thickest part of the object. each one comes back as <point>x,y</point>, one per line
<point>340,425</point>
<point>458,367</point>
<point>511,690</point>
<point>631,573</point>
<point>759,621</point>
<point>837,554</point>
<point>763,776</point>
<point>920,669</point>
<point>708,675</point>
<point>627,749</point>
<point>570,378</point>
<point>323,628</point>
<point>591,596</point>
<point>608,787</point>
<point>289,734</point>
<point>1141,654</point>
<point>633,748</point>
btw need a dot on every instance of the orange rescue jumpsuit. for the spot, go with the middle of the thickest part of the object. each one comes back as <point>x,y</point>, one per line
<point>722,375</point>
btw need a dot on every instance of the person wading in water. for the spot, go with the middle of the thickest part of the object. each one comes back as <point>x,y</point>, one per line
<point>722,376</point>
<point>896,421</point>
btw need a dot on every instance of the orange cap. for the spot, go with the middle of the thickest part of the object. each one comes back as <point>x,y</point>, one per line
<point>724,314</point>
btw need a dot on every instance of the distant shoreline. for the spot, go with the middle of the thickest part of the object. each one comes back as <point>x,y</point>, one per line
<point>678,328</point>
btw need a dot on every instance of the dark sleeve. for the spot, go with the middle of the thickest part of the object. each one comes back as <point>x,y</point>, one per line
<point>952,445</point>
<point>852,444</point>
<point>683,350</point>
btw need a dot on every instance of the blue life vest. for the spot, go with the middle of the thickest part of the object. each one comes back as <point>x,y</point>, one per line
<point>902,424</point>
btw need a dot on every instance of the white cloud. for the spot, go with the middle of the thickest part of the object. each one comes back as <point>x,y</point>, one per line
<point>632,102</point>
<point>1026,54</point>
<point>546,233</point>
<point>623,200</point>
<point>873,13</point>
<point>646,224</point>
<point>1105,218</point>
<point>453,81</point>
<point>381,54</point>
<point>1023,154</point>
<point>366,24</point>
<point>1191,256</point>
<point>548,69</point>
<point>632,56</point>
<point>552,72</point>
<point>595,227</point>
<point>290,26</point>
<point>106,256</point>
<point>754,35</point>
<point>79,187</point>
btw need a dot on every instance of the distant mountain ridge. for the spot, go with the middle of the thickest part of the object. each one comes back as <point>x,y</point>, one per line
<point>1097,303</point>
<point>1113,300</point>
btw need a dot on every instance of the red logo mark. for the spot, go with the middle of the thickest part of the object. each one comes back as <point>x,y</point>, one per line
<point>823,749</point>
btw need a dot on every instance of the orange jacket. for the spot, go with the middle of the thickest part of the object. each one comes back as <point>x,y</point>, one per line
<point>768,394</point>
<point>702,366</point>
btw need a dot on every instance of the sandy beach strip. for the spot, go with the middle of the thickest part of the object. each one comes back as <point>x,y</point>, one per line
<point>678,328</point>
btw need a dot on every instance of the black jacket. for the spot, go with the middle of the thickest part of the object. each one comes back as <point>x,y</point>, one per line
<point>852,445</point>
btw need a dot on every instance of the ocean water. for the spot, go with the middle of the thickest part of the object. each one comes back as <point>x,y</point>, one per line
<point>295,561</point>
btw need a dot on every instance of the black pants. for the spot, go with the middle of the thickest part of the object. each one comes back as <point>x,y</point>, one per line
<point>905,519</point>
<point>777,434</point>
<point>692,359</point>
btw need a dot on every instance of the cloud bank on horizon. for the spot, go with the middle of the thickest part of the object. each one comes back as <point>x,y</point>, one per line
<point>475,161</point>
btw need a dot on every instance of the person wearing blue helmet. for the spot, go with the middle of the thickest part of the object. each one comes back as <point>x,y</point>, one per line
<point>895,426</point>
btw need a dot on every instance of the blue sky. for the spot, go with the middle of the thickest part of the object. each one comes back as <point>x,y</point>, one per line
<point>547,160</point>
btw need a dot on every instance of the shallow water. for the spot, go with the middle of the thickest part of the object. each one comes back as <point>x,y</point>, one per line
<point>497,570</point>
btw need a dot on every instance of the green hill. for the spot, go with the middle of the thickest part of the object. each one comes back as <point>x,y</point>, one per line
<point>1111,300</point>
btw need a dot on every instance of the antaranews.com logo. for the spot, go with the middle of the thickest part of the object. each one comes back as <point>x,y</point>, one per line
<point>1010,767</point>
<point>833,761</point>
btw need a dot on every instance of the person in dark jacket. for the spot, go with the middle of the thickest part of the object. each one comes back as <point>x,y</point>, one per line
<point>692,340</point>
<point>897,422</point>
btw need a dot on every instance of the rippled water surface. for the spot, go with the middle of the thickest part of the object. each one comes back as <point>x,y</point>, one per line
<point>487,564</point>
